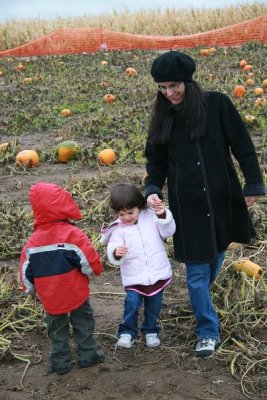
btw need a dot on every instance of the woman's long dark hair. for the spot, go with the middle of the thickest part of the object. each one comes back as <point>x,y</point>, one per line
<point>192,109</point>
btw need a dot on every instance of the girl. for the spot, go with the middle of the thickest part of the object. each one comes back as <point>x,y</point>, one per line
<point>135,243</point>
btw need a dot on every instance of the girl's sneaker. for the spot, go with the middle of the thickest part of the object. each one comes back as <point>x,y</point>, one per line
<point>206,347</point>
<point>152,340</point>
<point>125,341</point>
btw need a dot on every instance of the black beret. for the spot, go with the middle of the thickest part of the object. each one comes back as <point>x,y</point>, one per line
<point>173,66</point>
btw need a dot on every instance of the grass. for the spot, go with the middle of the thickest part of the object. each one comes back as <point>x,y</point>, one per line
<point>171,21</point>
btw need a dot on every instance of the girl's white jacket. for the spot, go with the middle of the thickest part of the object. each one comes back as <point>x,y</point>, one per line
<point>146,261</point>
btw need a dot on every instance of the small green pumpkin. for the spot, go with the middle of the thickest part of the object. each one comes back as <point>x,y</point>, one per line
<point>68,150</point>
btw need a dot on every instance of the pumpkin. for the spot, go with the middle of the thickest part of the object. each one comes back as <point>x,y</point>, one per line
<point>130,72</point>
<point>259,102</point>
<point>4,146</point>
<point>104,84</point>
<point>247,67</point>
<point>109,98</point>
<point>234,246</point>
<point>28,157</point>
<point>67,150</point>
<point>250,268</point>
<point>249,118</point>
<point>1,73</point>
<point>250,82</point>
<point>239,91</point>
<point>66,112</point>
<point>204,52</point>
<point>264,83</point>
<point>243,63</point>
<point>259,91</point>
<point>107,156</point>
<point>20,67</point>
<point>104,62</point>
<point>212,50</point>
<point>27,81</point>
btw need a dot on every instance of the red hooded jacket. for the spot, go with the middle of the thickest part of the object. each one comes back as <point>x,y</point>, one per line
<point>58,258</point>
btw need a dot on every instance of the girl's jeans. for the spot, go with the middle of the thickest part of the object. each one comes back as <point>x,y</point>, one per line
<point>199,277</point>
<point>83,324</point>
<point>152,307</point>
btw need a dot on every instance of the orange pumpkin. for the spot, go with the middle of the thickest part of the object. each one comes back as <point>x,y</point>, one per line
<point>67,151</point>
<point>29,158</point>
<point>264,83</point>
<point>1,73</point>
<point>204,52</point>
<point>109,98</point>
<point>251,269</point>
<point>66,112</point>
<point>259,91</point>
<point>243,63</point>
<point>20,67</point>
<point>130,72</point>
<point>4,146</point>
<point>27,81</point>
<point>247,67</point>
<point>250,82</point>
<point>212,50</point>
<point>107,156</point>
<point>239,91</point>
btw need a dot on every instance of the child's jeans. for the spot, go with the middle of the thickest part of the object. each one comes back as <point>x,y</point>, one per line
<point>152,308</point>
<point>83,324</point>
<point>199,277</point>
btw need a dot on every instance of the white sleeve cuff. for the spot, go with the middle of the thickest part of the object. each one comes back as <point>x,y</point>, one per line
<point>111,257</point>
<point>164,221</point>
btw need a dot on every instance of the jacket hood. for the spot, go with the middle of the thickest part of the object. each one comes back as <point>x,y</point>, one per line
<point>51,203</point>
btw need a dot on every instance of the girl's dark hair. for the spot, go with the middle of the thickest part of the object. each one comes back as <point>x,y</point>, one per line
<point>193,109</point>
<point>125,196</point>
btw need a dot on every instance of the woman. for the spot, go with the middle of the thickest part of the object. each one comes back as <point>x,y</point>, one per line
<point>192,135</point>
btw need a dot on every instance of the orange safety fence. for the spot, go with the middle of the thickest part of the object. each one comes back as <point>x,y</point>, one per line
<point>80,40</point>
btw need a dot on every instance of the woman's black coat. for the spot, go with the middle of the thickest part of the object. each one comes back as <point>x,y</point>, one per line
<point>205,194</point>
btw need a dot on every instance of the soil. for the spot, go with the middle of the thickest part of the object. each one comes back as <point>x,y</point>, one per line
<point>169,372</point>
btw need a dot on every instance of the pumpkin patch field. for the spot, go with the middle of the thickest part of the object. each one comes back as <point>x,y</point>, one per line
<point>81,121</point>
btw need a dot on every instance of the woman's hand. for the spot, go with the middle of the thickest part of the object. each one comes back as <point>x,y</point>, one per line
<point>121,251</point>
<point>250,200</point>
<point>153,201</point>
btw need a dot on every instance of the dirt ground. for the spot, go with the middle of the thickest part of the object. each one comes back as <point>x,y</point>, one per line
<point>169,372</point>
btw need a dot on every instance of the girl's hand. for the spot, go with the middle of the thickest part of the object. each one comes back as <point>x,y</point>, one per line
<point>121,251</point>
<point>154,202</point>
<point>250,200</point>
<point>160,209</point>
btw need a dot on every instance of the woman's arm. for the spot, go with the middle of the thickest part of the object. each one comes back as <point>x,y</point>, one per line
<point>242,148</point>
<point>156,167</point>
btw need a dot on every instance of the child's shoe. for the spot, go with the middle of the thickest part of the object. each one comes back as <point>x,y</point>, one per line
<point>98,358</point>
<point>152,340</point>
<point>125,341</point>
<point>58,370</point>
<point>206,347</point>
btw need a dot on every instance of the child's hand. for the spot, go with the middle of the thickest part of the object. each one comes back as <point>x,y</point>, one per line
<point>159,209</point>
<point>121,251</point>
<point>156,204</point>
